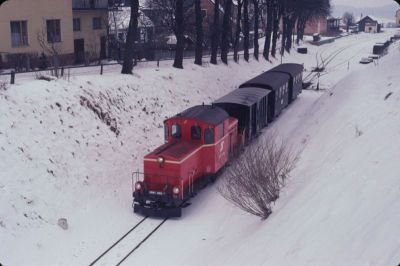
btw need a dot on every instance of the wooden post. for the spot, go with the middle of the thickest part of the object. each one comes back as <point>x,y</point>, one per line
<point>158,62</point>
<point>101,69</point>
<point>62,71</point>
<point>12,77</point>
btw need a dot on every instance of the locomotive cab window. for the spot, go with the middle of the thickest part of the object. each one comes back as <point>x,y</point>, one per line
<point>176,131</point>
<point>208,136</point>
<point>195,132</point>
<point>166,133</point>
<point>220,129</point>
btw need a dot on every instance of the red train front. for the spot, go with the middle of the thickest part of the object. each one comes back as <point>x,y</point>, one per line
<point>199,142</point>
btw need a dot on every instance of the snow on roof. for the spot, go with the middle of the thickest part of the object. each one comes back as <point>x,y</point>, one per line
<point>371,17</point>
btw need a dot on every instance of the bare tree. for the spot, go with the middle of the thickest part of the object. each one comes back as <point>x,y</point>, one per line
<point>127,65</point>
<point>199,34</point>
<point>268,29</point>
<point>50,46</point>
<point>254,180</point>
<point>348,19</point>
<point>179,30</point>
<point>256,22</point>
<point>215,34</point>
<point>276,17</point>
<point>238,30</point>
<point>246,29</point>
<point>226,29</point>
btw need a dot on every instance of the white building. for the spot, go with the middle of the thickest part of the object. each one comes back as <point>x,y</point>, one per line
<point>398,17</point>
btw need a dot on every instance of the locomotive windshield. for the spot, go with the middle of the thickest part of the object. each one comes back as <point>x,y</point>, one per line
<point>176,131</point>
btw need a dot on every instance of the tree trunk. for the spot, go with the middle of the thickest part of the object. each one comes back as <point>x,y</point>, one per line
<point>276,18</point>
<point>268,29</point>
<point>284,33</point>
<point>226,28</point>
<point>199,34</point>
<point>256,17</point>
<point>215,34</point>
<point>290,25</point>
<point>298,31</point>
<point>238,30</point>
<point>246,29</point>
<point>129,52</point>
<point>179,29</point>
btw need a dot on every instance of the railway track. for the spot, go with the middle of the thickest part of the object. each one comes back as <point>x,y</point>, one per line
<point>126,245</point>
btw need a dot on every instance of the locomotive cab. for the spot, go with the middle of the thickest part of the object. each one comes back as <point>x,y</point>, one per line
<point>198,143</point>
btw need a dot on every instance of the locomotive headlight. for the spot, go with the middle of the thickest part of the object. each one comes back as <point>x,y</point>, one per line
<point>175,190</point>
<point>138,186</point>
<point>160,160</point>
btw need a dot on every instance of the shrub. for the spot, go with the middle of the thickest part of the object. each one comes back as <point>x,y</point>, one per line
<point>254,179</point>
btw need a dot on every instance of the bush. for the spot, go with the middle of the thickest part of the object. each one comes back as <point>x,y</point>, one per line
<point>254,179</point>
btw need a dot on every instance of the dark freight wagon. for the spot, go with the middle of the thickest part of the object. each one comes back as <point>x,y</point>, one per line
<point>278,84</point>
<point>379,49</point>
<point>295,72</point>
<point>249,106</point>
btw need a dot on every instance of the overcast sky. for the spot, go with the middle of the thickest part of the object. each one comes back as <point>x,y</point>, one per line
<point>362,3</point>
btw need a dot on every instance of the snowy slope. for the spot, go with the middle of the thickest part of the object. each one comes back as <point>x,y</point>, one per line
<point>59,160</point>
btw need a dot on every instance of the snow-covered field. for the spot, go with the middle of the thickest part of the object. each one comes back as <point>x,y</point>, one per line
<point>58,159</point>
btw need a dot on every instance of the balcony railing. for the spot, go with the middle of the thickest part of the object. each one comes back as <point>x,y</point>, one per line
<point>89,4</point>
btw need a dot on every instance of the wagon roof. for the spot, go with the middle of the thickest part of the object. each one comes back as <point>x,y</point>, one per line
<point>207,113</point>
<point>290,68</point>
<point>267,80</point>
<point>245,96</point>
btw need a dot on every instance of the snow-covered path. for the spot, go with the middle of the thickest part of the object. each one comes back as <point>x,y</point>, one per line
<point>59,160</point>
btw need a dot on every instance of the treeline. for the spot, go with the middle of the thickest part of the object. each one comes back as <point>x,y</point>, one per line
<point>231,22</point>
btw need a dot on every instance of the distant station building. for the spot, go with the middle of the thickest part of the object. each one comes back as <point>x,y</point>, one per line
<point>368,24</point>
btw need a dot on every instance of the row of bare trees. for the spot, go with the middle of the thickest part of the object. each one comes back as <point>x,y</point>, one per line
<point>230,25</point>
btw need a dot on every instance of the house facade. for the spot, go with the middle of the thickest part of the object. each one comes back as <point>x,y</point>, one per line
<point>90,22</point>
<point>398,17</point>
<point>367,24</point>
<point>36,32</point>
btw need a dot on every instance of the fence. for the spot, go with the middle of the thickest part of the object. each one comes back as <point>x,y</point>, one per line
<point>99,68</point>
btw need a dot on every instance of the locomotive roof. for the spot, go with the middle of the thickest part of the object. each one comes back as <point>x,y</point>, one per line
<point>290,68</point>
<point>210,114</point>
<point>267,80</point>
<point>245,96</point>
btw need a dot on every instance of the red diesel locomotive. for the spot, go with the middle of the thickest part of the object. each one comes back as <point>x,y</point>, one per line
<point>199,142</point>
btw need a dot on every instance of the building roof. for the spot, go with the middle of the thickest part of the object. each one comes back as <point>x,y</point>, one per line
<point>213,115</point>
<point>267,80</point>
<point>245,96</point>
<point>367,17</point>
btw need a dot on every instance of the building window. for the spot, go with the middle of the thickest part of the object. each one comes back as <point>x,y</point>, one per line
<point>97,23</point>
<point>204,13</point>
<point>77,24</point>
<point>53,30</point>
<point>19,33</point>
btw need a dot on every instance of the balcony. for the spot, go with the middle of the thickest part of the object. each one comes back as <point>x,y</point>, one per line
<point>89,4</point>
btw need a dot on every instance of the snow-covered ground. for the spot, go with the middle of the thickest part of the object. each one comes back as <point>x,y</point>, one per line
<point>58,159</point>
